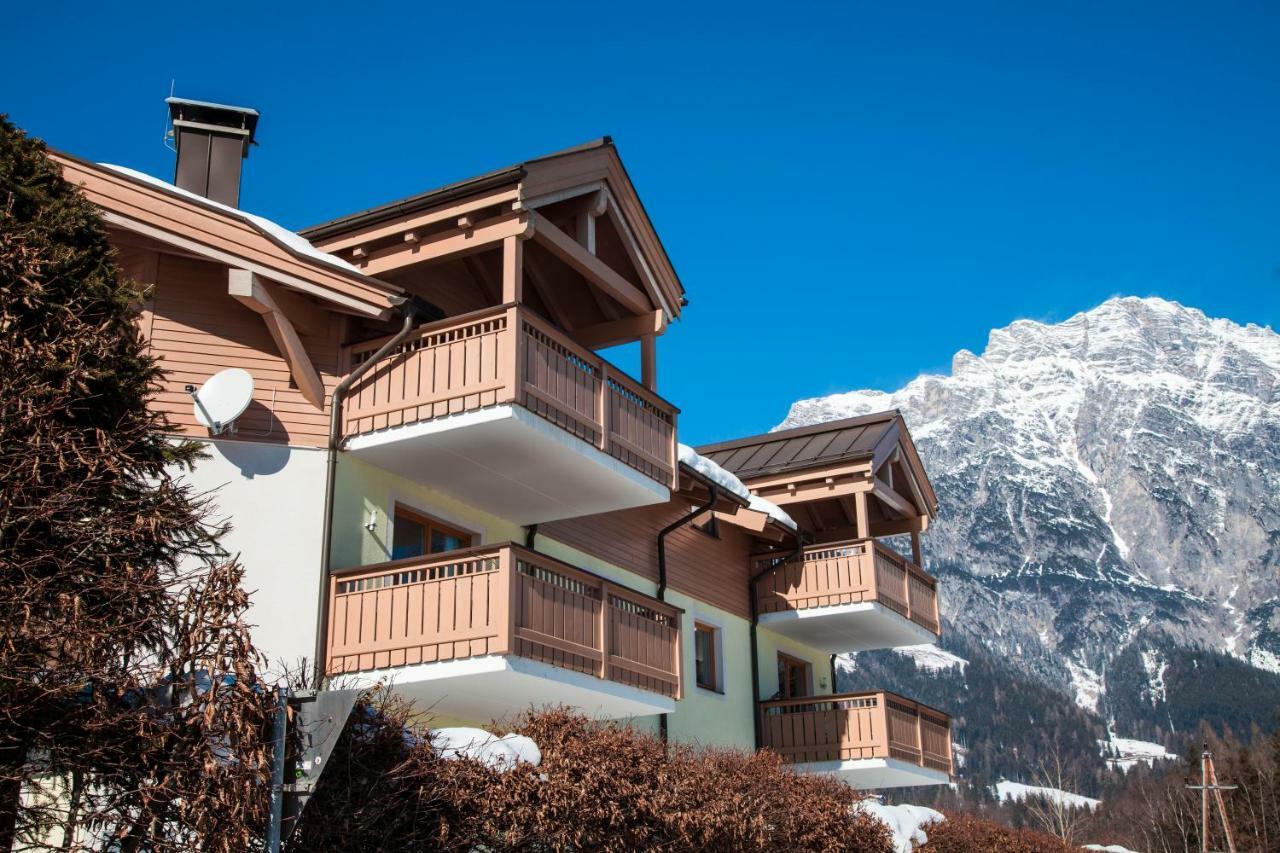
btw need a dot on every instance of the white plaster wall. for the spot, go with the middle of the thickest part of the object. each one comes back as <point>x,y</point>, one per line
<point>272,495</point>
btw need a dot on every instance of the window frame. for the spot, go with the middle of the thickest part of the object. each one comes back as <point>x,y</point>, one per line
<point>787,662</point>
<point>716,685</point>
<point>429,524</point>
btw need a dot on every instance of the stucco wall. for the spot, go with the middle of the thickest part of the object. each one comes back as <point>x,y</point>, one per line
<point>702,716</point>
<point>272,495</point>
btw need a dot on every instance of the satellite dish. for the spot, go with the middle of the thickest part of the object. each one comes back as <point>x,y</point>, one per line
<point>222,399</point>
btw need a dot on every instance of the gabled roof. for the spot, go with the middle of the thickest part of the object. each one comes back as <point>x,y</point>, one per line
<point>536,180</point>
<point>868,437</point>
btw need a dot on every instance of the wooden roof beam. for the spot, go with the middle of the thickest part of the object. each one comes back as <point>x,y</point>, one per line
<point>594,270</point>
<point>251,291</point>
<point>456,241</point>
<point>622,331</point>
<point>417,222</point>
<point>891,499</point>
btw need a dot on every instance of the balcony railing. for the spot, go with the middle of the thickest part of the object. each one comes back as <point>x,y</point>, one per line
<point>840,573</point>
<point>507,354</point>
<point>853,726</point>
<point>501,600</point>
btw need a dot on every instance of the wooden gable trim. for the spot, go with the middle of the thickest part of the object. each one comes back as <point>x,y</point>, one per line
<point>411,222</point>
<point>151,211</point>
<point>561,173</point>
<point>456,241</point>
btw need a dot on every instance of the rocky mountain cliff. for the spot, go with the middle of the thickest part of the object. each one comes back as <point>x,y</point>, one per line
<point>1110,483</point>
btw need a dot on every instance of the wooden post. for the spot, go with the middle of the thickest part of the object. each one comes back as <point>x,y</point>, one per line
<point>603,405</point>
<point>860,507</point>
<point>602,626</point>
<point>1204,800</point>
<point>512,269</point>
<point>915,549</point>
<point>649,361</point>
<point>508,605</point>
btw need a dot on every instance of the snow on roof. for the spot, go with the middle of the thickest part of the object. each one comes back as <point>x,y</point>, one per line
<point>1006,790</point>
<point>497,753</point>
<point>277,232</point>
<point>906,823</point>
<point>730,483</point>
<point>774,511</point>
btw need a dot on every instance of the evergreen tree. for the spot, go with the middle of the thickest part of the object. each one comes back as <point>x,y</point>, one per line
<point>128,703</point>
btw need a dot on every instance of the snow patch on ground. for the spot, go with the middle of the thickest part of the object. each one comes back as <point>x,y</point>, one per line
<point>1263,659</point>
<point>497,753</point>
<point>1109,848</point>
<point>904,821</point>
<point>1017,791</point>
<point>1131,751</point>
<point>930,657</point>
<point>1087,685</point>
<point>1155,668</point>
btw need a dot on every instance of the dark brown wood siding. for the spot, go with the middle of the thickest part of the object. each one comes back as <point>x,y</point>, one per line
<point>700,566</point>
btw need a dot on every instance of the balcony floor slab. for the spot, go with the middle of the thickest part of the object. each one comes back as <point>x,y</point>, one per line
<point>872,773</point>
<point>510,462</point>
<point>498,687</point>
<point>843,628</point>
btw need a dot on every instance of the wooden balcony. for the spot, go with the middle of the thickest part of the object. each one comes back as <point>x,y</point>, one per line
<point>872,740</point>
<point>502,390</point>
<point>850,597</point>
<point>484,633</point>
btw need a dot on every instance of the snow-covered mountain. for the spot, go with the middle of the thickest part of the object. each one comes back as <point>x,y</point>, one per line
<point>1106,482</point>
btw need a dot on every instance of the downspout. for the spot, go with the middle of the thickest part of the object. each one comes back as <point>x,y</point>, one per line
<point>662,564</point>
<point>755,643</point>
<point>411,308</point>
<point>530,536</point>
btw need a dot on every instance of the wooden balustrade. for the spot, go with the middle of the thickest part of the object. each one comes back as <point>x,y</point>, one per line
<point>508,354</point>
<point>853,726</point>
<point>500,600</point>
<point>850,572</point>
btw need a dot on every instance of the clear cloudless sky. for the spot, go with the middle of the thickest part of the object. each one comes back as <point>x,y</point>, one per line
<point>851,192</point>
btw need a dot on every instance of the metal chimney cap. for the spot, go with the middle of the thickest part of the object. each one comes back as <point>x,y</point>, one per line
<point>215,118</point>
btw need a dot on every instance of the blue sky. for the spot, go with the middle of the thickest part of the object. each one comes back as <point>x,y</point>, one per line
<point>850,192</point>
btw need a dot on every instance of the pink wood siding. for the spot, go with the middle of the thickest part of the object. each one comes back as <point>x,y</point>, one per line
<point>196,329</point>
<point>853,726</point>
<point>501,600</point>
<point>508,354</point>
<point>839,573</point>
<point>700,566</point>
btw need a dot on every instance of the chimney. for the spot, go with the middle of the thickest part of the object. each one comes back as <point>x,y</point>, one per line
<point>212,142</point>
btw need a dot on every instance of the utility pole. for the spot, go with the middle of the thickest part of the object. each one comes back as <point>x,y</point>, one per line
<point>1209,783</point>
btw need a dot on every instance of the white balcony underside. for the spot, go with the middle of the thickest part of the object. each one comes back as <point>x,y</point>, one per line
<point>871,773</point>
<point>844,628</point>
<point>510,462</point>
<point>498,687</point>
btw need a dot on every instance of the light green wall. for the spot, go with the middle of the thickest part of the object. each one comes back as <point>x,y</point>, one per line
<point>362,488</point>
<point>702,716</point>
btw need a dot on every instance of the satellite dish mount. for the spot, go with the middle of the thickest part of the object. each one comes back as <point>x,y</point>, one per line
<point>218,402</point>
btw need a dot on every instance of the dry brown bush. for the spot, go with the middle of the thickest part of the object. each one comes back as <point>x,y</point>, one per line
<point>962,833</point>
<point>599,787</point>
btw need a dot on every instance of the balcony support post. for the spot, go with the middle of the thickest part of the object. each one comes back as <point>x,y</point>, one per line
<point>649,361</point>
<point>512,269</point>
<point>915,549</point>
<point>860,510</point>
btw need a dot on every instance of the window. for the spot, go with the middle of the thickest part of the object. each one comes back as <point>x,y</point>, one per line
<point>795,677</point>
<point>711,526</point>
<point>705,640</point>
<point>414,534</point>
